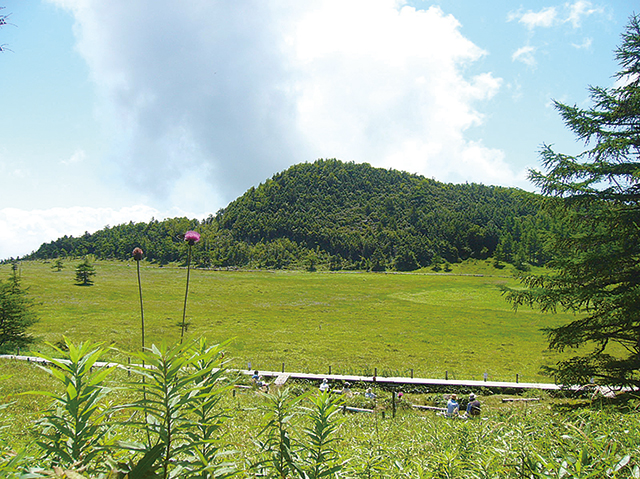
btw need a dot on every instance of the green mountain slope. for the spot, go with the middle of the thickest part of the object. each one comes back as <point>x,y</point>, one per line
<point>340,215</point>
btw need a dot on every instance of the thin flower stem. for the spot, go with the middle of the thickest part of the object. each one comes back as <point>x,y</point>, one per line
<point>144,388</point>
<point>141,307</point>
<point>186,293</point>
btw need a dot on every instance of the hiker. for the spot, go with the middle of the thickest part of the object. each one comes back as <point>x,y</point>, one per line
<point>324,387</point>
<point>346,389</point>
<point>369,394</point>
<point>452,406</point>
<point>473,408</point>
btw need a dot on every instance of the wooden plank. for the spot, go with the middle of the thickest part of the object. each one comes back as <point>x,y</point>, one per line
<point>519,399</point>
<point>281,379</point>
<point>429,408</point>
<point>356,409</point>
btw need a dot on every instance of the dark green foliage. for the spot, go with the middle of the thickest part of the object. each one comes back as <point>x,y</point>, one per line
<point>179,405</point>
<point>358,212</point>
<point>596,241</point>
<point>74,427</point>
<point>84,273</point>
<point>321,441</point>
<point>405,260</point>
<point>335,215</point>
<point>310,455</point>
<point>16,312</point>
<point>277,443</point>
<point>161,241</point>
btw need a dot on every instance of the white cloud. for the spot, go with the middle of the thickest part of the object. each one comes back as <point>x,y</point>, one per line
<point>580,9</point>
<point>22,231</point>
<point>525,55</point>
<point>78,157</point>
<point>216,96</point>
<point>585,45</point>
<point>548,17</point>
<point>544,18</point>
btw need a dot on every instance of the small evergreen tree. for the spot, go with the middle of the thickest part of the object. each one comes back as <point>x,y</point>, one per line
<point>84,273</point>
<point>16,312</point>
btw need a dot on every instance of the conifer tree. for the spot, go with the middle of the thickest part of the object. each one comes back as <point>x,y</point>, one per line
<point>84,273</point>
<point>596,264</point>
<point>16,312</point>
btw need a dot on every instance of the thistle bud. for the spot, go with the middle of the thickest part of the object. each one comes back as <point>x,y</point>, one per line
<point>138,254</point>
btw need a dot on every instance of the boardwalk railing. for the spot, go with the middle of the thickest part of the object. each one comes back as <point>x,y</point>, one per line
<point>280,377</point>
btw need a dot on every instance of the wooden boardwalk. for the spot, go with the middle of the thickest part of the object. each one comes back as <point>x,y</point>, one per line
<point>280,378</point>
<point>411,381</point>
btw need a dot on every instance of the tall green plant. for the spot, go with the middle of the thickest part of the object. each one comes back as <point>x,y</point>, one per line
<point>205,436</point>
<point>278,445</point>
<point>322,458</point>
<point>74,426</point>
<point>294,450</point>
<point>177,399</point>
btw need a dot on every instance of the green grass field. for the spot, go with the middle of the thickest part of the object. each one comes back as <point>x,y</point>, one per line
<point>436,324</point>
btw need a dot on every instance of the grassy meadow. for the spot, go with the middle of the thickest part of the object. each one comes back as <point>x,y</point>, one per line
<point>354,322</point>
<point>551,438</point>
<point>455,323</point>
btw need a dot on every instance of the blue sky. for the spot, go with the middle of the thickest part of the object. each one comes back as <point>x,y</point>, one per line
<point>121,111</point>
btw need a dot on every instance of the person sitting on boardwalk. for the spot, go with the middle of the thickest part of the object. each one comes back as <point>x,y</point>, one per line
<point>346,389</point>
<point>473,408</point>
<point>452,406</point>
<point>324,387</point>
<point>259,382</point>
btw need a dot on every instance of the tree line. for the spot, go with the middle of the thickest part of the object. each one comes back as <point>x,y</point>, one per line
<point>338,215</point>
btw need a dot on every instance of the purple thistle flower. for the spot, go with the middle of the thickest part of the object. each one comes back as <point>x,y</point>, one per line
<point>192,237</point>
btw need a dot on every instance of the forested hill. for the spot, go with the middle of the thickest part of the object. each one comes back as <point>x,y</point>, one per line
<point>340,216</point>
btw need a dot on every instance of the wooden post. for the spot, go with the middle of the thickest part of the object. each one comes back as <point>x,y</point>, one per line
<point>329,369</point>
<point>446,375</point>
<point>393,403</point>
<point>282,367</point>
<point>233,393</point>
<point>375,372</point>
<point>411,373</point>
<point>517,378</point>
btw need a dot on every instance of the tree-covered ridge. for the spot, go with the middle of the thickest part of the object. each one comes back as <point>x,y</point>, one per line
<point>356,212</point>
<point>342,216</point>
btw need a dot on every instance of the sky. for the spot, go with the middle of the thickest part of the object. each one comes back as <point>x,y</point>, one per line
<point>126,110</point>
